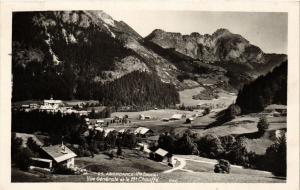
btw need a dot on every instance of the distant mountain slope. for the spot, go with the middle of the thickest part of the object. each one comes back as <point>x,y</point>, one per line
<point>265,90</point>
<point>232,52</point>
<point>76,50</point>
<point>67,54</point>
<point>221,46</point>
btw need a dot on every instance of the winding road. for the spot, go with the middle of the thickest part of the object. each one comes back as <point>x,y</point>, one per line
<point>182,163</point>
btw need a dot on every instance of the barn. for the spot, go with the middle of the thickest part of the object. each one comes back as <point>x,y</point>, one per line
<point>143,131</point>
<point>162,155</point>
<point>176,117</point>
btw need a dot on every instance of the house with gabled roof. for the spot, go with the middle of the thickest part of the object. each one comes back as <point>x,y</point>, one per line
<point>143,131</point>
<point>176,116</point>
<point>162,155</point>
<point>59,155</point>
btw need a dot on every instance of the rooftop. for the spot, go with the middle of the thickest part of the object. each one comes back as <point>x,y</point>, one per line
<point>141,130</point>
<point>59,152</point>
<point>161,152</point>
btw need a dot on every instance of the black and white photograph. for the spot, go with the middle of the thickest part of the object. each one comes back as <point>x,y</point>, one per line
<point>149,96</point>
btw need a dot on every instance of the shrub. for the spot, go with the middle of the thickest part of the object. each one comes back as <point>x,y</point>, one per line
<point>96,150</point>
<point>22,158</point>
<point>223,166</point>
<point>31,144</point>
<point>86,153</point>
<point>238,153</point>
<point>232,111</point>
<point>228,142</point>
<point>206,111</point>
<point>119,151</point>
<point>111,154</point>
<point>262,125</point>
<point>211,145</point>
<point>276,157</point>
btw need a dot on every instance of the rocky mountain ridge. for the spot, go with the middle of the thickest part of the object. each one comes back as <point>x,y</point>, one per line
<point>79,51</point>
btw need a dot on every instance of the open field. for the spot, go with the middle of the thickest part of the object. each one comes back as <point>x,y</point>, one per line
<point>131,161</point>
<point>205,177</point>
<point>244,124</point>
<point>187,94</point>
<point>155,114</point>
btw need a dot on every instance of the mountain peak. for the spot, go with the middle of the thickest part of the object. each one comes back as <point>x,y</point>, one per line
<point>221,31</point>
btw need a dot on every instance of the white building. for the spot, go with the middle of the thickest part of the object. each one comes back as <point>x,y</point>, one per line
<point>176,116</point>
<point>51,105</point>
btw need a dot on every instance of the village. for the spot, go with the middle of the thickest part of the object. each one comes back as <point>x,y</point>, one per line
<point>61,154</point>
<point>144,130</point>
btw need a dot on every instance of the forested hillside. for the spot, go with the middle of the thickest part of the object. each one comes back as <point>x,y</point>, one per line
<point>265,90</point>
<point>138,88</point>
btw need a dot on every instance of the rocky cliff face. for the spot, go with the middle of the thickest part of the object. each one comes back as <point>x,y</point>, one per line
<point>221,46</point>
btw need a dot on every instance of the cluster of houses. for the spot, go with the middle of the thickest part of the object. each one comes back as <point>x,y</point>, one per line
<point>141,131</point>
<point>176,116</point>
<point>60,155</point>
<point>54,106</point>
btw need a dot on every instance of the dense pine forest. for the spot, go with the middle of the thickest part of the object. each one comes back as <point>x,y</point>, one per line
<point>138,88</point>
<point>265,90</point>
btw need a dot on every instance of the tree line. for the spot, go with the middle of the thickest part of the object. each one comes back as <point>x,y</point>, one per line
<point>265,90</point>
<point>139,89</point>
<point>230,148</point>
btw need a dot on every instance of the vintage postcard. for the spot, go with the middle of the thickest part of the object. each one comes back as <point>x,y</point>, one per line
<point>153,94</point>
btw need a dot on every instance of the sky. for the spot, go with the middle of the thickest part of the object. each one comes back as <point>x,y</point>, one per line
<point>267,30</point>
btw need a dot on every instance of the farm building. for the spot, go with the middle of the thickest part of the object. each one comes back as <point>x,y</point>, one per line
<point>87,120</point>
<point>146,152</point>
<point>123,130</point>
<point>162,155</point>
<point>143,131</point>
<point>100,121</point>
<point>145,149</point>
<point>99,129</point>
<point>189,120</point>
<point>108,131</point>
<point>176,116</point>
<point>55,155</point>
<point>143,117</point>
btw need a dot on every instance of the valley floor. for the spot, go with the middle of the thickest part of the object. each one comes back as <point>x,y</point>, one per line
<point>189,168</point>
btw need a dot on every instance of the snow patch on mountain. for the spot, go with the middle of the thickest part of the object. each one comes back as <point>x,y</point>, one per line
<point>112,34</point>
<point>72,38</point>
<point>106,18</point>
<point>48,42</point>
